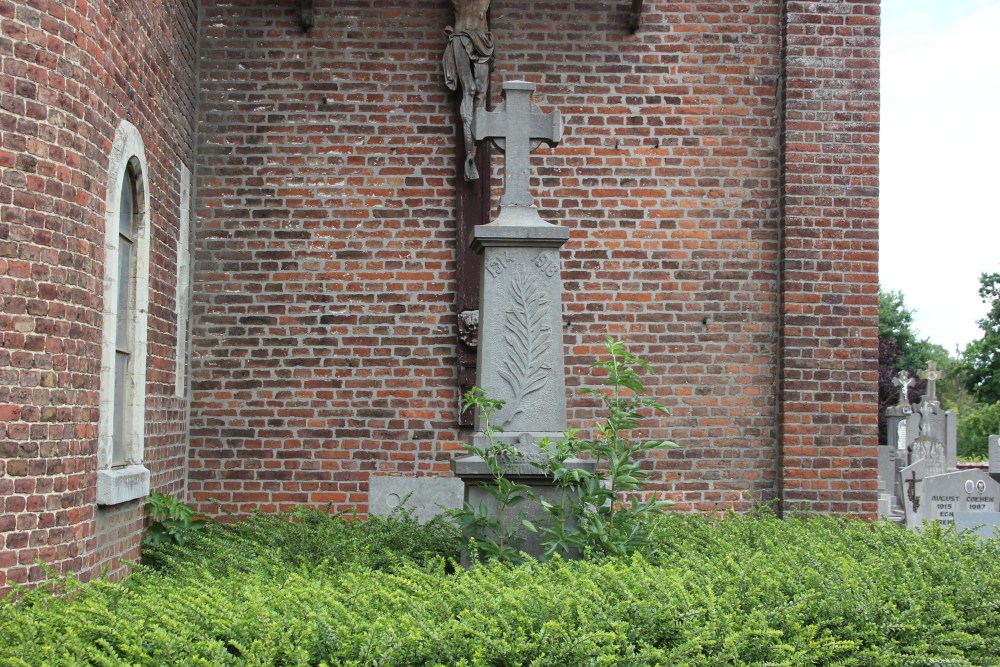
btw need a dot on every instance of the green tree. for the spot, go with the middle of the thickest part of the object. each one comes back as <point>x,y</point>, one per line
<point>975,426</point>
<point>899,348</point>
<point>895,323</point>
<point>981,359</point>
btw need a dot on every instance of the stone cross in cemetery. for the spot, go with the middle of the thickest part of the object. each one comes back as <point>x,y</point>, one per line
<point>932,375</point>
<point>904,381</point>
<point>520,352</point>
<point>520,342</point>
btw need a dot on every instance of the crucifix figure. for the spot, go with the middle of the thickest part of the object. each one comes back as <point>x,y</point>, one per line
<point>466,65</point>
<point>517,129</point>
<point>904,381</point>
<point>467,60</point>
<point>932,375</point>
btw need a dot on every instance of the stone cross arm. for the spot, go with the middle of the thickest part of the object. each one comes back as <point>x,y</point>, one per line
<point>516,129</point>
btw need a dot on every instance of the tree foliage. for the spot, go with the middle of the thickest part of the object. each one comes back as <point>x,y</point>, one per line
<point>899,348</point>
<point>981,359</point>
<point>895,324</point>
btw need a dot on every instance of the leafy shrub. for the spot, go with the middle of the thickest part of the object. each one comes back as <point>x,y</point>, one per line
<point>736,591</point>
<point>171,522</point>
<point>310,537</point>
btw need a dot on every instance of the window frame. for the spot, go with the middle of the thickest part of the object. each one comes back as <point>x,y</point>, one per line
<point>126,479</point>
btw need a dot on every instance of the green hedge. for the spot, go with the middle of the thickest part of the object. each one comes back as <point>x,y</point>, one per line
<point>736,591</point>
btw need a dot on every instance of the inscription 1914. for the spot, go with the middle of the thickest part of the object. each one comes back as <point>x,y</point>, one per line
<point>499,262</point>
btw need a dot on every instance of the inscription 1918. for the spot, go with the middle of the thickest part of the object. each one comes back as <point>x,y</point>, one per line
<point>547,263</point>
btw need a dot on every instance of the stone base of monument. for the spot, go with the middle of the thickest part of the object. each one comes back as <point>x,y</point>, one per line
<point>476,475</point>
<point>422,497</point>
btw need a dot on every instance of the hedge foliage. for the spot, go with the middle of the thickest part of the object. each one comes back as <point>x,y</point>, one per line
<point>735,591</point>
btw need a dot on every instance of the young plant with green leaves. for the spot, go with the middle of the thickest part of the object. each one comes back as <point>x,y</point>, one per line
<point>591,516</point>
<point>172,522</point>
<point>494,535</point>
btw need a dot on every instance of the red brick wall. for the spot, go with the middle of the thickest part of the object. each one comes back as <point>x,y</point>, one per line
<point>70,73</point>
<point>726,232</point>
<point>325,326</point>
<point>830,254</point>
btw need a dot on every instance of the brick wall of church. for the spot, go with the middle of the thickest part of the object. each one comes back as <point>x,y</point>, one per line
<point>70,73</point>
<point>325,325</point>
<point>830,250</point>
<point>727,233</point>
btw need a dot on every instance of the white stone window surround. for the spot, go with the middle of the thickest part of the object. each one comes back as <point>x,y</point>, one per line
<point>183,286</point>
<point>121,483</point>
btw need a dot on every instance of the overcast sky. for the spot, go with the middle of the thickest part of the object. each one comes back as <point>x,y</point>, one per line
<point>940,150</point>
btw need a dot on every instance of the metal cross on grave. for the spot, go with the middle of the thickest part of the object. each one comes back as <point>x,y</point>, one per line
<point>932,375</point>
<point>517,129</point>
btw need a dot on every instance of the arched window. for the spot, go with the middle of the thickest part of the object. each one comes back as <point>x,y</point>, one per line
<point>125,317</point>
<point>121,475</point>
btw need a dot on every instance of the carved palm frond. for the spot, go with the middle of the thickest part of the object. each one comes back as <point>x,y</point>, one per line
<point>528,337</point>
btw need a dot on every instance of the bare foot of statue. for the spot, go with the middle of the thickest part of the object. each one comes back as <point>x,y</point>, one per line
<point>471,173</point>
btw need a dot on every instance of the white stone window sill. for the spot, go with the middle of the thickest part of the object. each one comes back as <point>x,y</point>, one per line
<point>120,485</point>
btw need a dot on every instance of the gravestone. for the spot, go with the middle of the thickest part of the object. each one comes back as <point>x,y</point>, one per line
<point>983,524</point>
<point>891,457</point>
<point>932,431</point>
<point>909,486</point>
<point>995,457</point>
<point>970,491</point>
<point>520,351</point>
<point>928,445</point>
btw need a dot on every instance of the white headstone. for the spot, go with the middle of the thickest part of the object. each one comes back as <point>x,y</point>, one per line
<point>961,491</point>
<point>983,524</point>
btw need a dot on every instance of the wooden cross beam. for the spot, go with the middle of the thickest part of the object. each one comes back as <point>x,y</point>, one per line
<point>307,14</point>
<point>635,15</point>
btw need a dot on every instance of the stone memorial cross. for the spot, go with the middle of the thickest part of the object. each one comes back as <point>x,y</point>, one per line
<point>904,382</point>
<point>932,375</point>
<point>517,129</point>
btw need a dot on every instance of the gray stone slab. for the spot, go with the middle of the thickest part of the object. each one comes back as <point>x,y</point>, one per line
<point>426,497</point>
<point>995,457</point>
<point>120,485</point>
<point>909,489</point>
<point>887,469</point>
<point>951,439</point>
<point>983,524</point>
<point>961,491</point>
<point>941,429</point>
<point>520,353</point>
